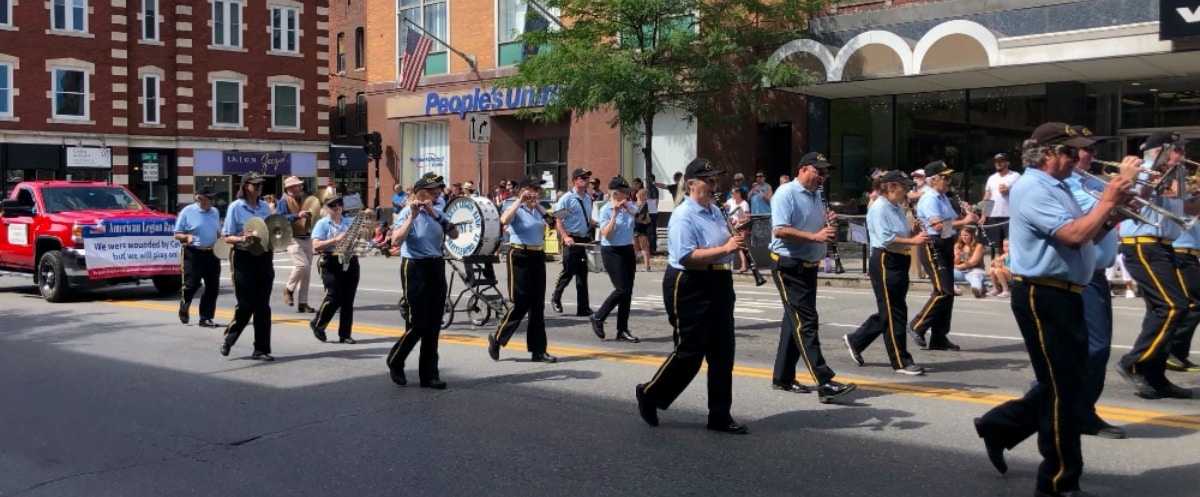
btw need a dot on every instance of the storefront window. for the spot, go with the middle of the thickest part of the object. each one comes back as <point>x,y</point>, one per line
<point>861,139</point>
<point>222,187</point>
<point>1171,103</point>
<point>425,148</point>
<point>1000,120</point>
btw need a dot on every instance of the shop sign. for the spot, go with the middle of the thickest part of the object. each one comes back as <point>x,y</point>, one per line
<point>267,163</point>
<point>89,157</point>
<point>484,99</point>
<point>1178,19</point>
<point>430,159</point>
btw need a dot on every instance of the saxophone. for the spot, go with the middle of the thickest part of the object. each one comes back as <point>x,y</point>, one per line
<point>358,232</point>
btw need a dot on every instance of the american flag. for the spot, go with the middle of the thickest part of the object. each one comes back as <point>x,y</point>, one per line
<point>416,49</point>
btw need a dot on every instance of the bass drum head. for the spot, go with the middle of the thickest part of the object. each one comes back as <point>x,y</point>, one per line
<point>478,224</point>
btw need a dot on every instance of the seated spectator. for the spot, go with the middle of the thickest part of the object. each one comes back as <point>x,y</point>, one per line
<point>1001,272</point>
<point>968,261</point>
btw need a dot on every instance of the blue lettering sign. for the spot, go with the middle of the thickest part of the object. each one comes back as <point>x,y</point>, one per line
<point>484,99</point>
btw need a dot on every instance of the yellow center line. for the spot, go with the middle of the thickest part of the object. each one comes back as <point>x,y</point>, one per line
<point>1125,414</point>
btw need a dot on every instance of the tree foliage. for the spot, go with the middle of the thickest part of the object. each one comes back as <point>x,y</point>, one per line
<point>643,57</point>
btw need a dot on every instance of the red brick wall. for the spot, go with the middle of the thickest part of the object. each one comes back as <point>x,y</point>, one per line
<point>345,17</point>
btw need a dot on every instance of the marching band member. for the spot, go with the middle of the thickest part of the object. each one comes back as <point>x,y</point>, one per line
<point>573,229</point>
<point>1152,264</point>
<point>291,206</point>
<point>526,273</point>
<point>616,249</point>
<point>698,296</point>
<point>253,275</point>
<point>1097,299</point>
<point>340,285</point>
<point>935,209</point>
<point>197,229</point>
<point>890,232</point>
<point>1187,248</point>
<point>420,230</point>
<point>799,237</point>
<point>1053,259</point>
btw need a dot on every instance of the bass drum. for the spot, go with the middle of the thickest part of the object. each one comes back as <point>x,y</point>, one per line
<point>478,224</point>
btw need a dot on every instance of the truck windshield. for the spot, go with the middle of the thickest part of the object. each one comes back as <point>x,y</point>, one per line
<point>89,198</point>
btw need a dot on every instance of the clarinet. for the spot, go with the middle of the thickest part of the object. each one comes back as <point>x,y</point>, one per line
<point>831,248</point>
<point>759,280</point>
<point>933,251</point>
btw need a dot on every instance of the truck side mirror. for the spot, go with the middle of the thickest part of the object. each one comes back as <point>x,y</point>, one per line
<point>14,208</point>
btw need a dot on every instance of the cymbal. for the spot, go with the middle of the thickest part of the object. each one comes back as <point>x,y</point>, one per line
<point>312,204</point>
<point>280,232</point>
<point>258,228</point>
<point>221,249</point>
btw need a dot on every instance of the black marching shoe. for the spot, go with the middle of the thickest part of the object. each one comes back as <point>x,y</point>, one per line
<point>225,350</point>
<point>261,356</point>
<point>1141,386</point>
<point>1099,428</point>
<point>795,387</point>
<point>584,312</point>
<point>855,355</point>
<point>647,410</point>
<point>435,384</point>
<point>832,390</point>
<point>207,323</point>
<point>318,333</point>
<point>556,305</point>
<point>726,424</point>
<point>493,348</point>
<point>544,357</point>
<point>347,341</point>
<point>184,316</point>
<point>947,345</point>
<point>995,451</point>
<point>626,336</point>
<point>917,338</point>
<point>398,377</point>
<point>1172,391</point>
<point>597,327</point>
<point>911,370</point>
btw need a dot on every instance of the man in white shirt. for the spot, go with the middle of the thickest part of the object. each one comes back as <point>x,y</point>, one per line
<point>996,190</point>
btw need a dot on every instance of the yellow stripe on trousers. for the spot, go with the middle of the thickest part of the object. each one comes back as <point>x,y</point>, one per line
<point>1062,465</point>
<point>674,332</point>
<point>1171,311</point>
<point>799,324</point>
<point>511,296</point>
<point>937,285</point>
<point>887,300</point>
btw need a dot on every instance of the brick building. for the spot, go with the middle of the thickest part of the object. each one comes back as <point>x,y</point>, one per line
<point>347,95</point>
<point>200,90</point>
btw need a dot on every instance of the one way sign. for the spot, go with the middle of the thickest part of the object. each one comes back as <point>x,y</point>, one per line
<point>481,128</point>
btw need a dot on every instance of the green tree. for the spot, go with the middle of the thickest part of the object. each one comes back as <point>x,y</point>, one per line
<point>643,57</point>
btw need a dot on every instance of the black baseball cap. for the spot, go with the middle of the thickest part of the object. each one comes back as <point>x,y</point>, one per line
<point>937,168</point>
<point>531,181</point>
<point>580,173</point>
<point>701,168</point>
<point>253,178</point>
<point>1000,156</point>
<point>1055,133</point>
<point>815,159</point>
<point>619,184</point>
<point>333,199</point>
<point>206,192</point>
<point>429,180</point>
<point>1162,138</point>
<point>897,177</point>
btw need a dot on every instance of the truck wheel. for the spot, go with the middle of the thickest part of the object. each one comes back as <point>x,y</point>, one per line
<point>52,280</point>
<point>167,285</point>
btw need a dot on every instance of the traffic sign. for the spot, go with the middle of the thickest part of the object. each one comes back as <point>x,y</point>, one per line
<point>481,128</point>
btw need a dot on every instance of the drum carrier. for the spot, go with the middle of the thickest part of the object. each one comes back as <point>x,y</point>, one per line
<point>472,257</point>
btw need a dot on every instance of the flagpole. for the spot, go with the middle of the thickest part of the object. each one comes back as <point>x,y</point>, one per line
<point>470,59</point>
<point>546,13</point>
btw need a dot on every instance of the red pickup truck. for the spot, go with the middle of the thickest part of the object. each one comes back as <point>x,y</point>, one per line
<point>53,230</point>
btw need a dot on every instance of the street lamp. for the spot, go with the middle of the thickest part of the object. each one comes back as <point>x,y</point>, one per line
<point>342,162</point>
<point>373,146</point>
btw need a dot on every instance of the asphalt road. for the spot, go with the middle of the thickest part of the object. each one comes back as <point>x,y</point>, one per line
<point>110,395</point>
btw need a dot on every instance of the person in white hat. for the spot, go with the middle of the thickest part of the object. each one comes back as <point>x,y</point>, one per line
<point>291,206</point>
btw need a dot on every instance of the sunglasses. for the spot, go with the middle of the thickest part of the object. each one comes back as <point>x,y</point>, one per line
<point>337,205</point>
<point>759,176</point>
<point>1070,152</point>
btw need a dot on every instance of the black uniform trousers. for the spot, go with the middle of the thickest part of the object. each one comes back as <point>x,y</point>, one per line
<point>340,289</point>
<point>1057,342</point>
<point>699,308</point>
<point>253,282</point>
<point>889,279</point>
<point>621,265</point>
<point>934,317</point>
<point>424,282</point>
<point>527,291</point>
<point>796,281</point>
<point>1189,269</point>
<point>574,266</point>
<point>200,266</point>
<point>1153,267</point>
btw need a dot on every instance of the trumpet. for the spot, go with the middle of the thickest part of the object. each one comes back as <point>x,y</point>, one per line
<point>1136,215</point>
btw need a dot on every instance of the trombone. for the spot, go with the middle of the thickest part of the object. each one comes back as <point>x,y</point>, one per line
<point>1142,203</point>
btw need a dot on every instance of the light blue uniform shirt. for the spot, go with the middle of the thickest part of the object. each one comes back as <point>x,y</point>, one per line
<point>796,207</point>
<point>426,236</point>
<point>1041,205</point>
<point>692,227</point>
<point>528,227</point>
<point>325,229</point>
<point>1166,229</point>
<point>202,224</point>
<point>1189,238</point>
<point>239,212</point>
<point>577,221</point>
<point>935,205</point>
<point>622,232</point>
<point>1106,249</point>
<point>758,201</point>
<point>885,223</point>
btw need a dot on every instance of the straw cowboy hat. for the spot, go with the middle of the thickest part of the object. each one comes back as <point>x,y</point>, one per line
<point>291,181</point>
